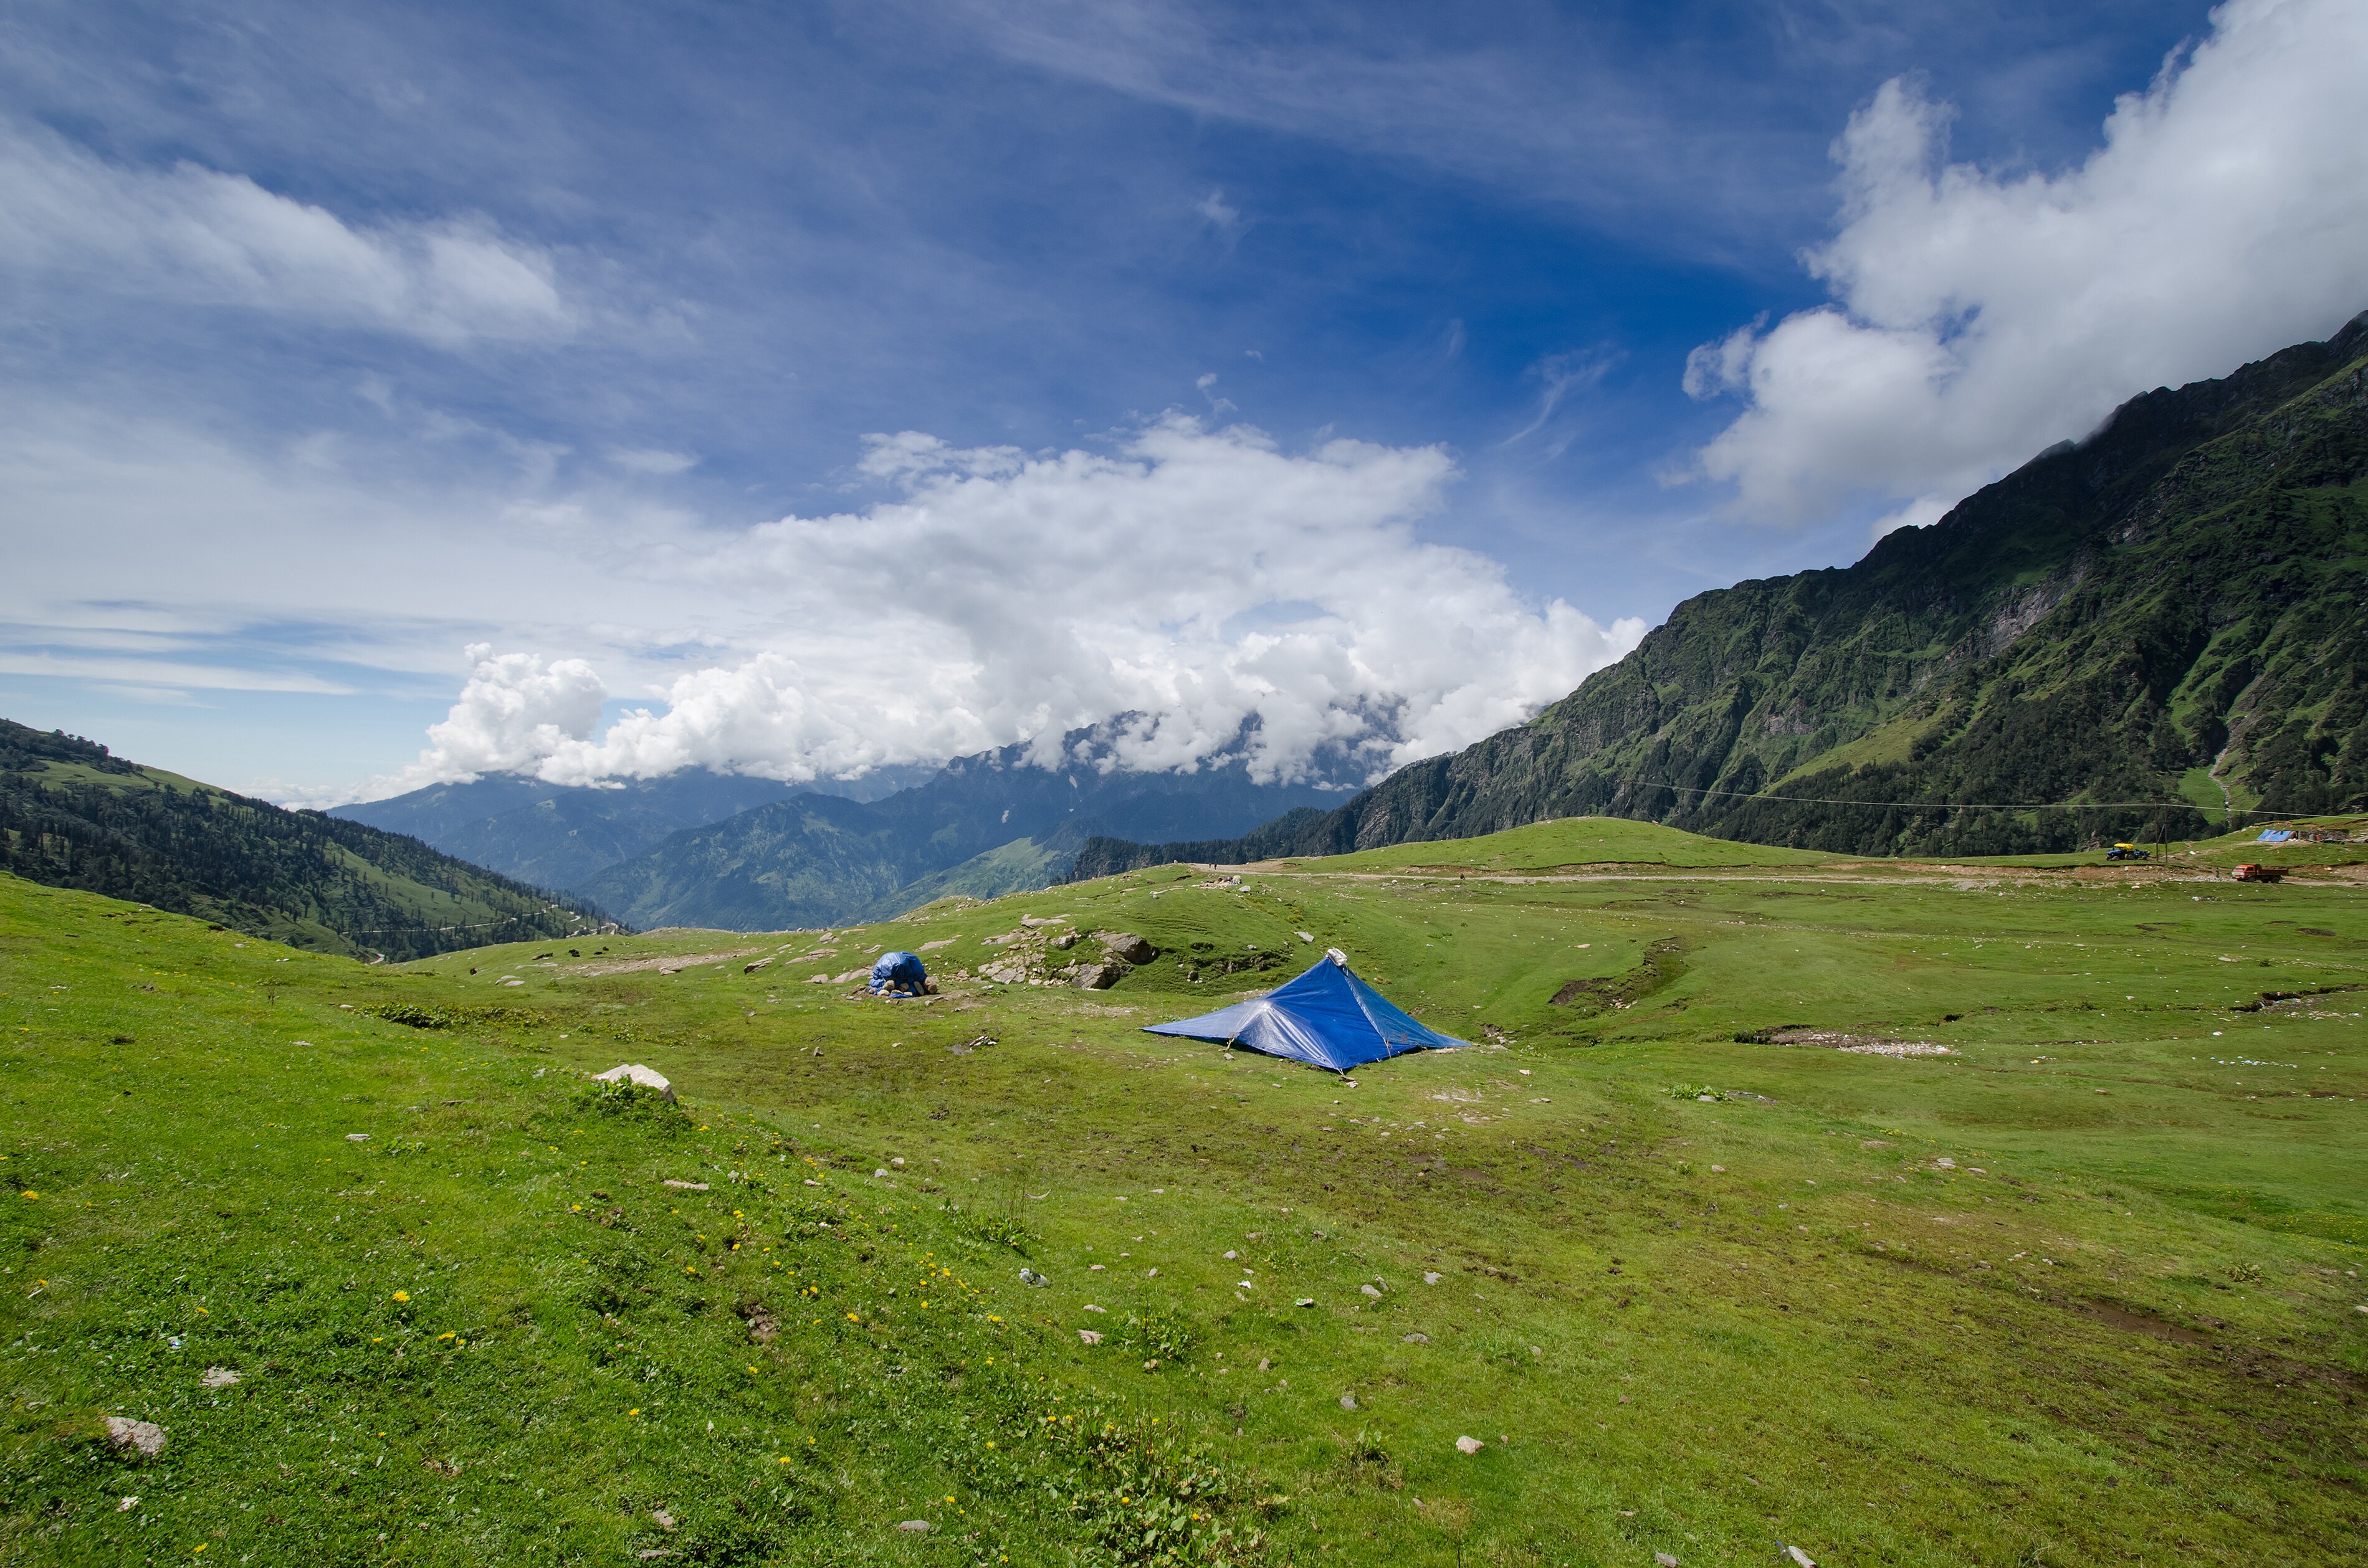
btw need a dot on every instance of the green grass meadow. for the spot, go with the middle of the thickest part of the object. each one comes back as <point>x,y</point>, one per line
<point>2040,1244</point>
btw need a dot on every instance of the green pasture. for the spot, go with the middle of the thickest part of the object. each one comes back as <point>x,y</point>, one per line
<point>2069,1275</point>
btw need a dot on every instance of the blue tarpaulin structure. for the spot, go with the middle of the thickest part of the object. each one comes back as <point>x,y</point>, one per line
<point>2274,836</point>
<point>1326,1017</point>
<point>897,975</point>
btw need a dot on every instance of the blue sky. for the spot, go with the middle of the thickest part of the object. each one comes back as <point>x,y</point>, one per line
<point>348,338</point>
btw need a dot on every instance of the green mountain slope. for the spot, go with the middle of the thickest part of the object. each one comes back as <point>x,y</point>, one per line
<point>987,824</point>
<point>2170,608</point>
<point>73,815</point>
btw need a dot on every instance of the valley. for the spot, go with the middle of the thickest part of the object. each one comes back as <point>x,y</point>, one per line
<point>1966,1210</point>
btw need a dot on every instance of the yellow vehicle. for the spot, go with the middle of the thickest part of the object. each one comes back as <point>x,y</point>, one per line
<point>2126,852</point>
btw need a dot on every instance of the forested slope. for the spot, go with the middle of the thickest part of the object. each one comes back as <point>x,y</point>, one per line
<point>73,815</point>
<point>2167,609</point>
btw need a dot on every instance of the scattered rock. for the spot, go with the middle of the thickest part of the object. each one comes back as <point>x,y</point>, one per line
<point>1415,1339</point>
<point>1347,1402</point>
<point>1062,942</point>
<point>1305,1302</point>
<point>1945,1163</point>
<point>1429,1277</point>
<point>127,1504</point>
<point>761,1326</point>
<point>898,1162</point>
<point>1098,976</point>
<point>1231,1254</point>
<point>662,1520</point>
<point>1091,1308</point>
<point>1265,1365</point>
<point>1801,1557</point>
<point>357,1137</point>
<point>1090,1336</point>
<point>1127,946</point>
<point>216,1378</point>
<point>817,979</point>
<point>879,1170</point>
<point>1029,1276</point>
<point>635,1073</point>
<point>1370,1290</point>
<point>144,1437</point>
<point>1469,1445</point>
<point>1663,1559</point>
<point>1718,1170</point>
<point>918,1527</point>
<point>689,1185</point>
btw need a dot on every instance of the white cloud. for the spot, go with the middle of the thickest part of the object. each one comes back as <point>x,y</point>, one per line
<point>1003,597</point>
<point>654,461</point>
<point>195,234</point>
<point>1979,318</point>
<point>514,712</point>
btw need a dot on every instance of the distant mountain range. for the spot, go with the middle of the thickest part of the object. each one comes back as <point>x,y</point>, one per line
<point>2169,613</point>
<point>73,816</point>
<point>702,848</point>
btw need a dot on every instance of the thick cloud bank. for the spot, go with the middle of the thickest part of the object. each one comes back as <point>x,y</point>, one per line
<point>1978,318</point>
<point>1236,597</point>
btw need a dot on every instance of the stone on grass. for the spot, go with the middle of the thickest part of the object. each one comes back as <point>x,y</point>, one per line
<point>879,1171</point>
<point>216,1378</point>
<point>1305,1302</point>
<point>686,1186</point>
<point>1371,1290</point>
<point>357,1137</point>
<point>751,969</point>
<point>1127,946</point>
<point>635,1073</point>
<point>143,1437</point>
<point>1468,1445</point>
<point>1430,1278</point>
<point>1801,1557</point>
<point>1090,1336</point>
<point>1663,1559</point>
<point>918,1527</point>
<point>1416,1339</point>
<point>662,1520</point>
<point>1347,1402</point>
<point>1098,976</point>
<point>1029,1276</point>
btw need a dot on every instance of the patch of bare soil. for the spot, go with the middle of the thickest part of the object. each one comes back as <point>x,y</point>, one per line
<point>2140,1322</point>
<point>1859,1044</point>
<point>664,965</point>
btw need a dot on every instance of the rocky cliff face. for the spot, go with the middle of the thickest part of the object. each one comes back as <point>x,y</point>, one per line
<point>2172,605</point>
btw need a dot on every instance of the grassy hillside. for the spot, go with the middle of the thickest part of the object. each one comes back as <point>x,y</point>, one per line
<point>1571,842</point>
<point>73,815</point>
<point>1699,1276</point>
<point>2168,612</point>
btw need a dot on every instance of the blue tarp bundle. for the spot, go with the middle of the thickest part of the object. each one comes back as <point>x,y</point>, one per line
<point>897,970</point>
<point>1326,1017</point>
<point>2274,836</point>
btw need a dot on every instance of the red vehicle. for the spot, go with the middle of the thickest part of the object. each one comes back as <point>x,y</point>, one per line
<point>2251,873</point>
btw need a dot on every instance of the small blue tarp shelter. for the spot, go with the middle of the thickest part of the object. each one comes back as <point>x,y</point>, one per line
<point>2274,836</point>
<point>1327,1017</point>
<point>897,975</point>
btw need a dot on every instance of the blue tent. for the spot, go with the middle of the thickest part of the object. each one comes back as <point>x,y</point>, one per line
<point>1326,1017</point>
<point>897,975</point>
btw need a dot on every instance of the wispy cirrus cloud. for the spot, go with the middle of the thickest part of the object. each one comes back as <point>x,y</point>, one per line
<point>195,235</point>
